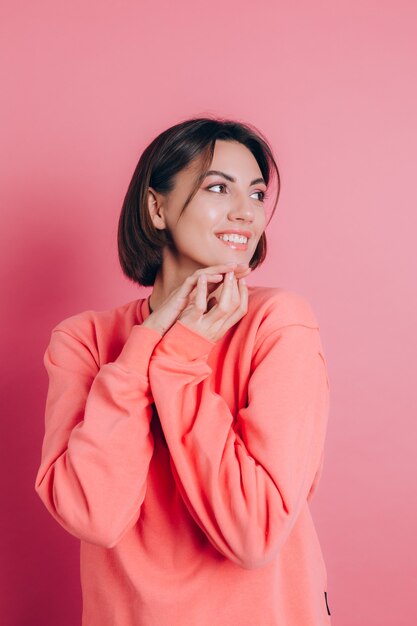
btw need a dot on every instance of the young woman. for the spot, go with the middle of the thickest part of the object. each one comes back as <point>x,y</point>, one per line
<point>184,432</point>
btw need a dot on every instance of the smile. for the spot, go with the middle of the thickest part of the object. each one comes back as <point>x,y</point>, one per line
<point>233,241</point>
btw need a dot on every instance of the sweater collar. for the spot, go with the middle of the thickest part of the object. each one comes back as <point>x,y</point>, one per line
<point>142,309</point>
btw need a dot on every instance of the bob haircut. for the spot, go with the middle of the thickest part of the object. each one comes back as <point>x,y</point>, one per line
<point>140,244</point>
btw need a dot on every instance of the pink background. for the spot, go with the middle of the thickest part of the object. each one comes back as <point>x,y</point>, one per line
<point>86,85</point>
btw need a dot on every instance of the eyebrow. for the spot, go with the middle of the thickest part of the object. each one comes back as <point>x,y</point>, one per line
<point>233,180</point>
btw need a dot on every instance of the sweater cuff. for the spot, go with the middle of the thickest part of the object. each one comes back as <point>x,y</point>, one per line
<point>181,342</point>
<point>138,348</point>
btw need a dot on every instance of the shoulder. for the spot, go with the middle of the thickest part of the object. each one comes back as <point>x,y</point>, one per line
<point>90,320</point>
<point>276,307</point>
<point>98,330</point>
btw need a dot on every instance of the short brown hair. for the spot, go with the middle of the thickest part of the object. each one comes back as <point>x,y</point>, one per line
<point>140,244</point>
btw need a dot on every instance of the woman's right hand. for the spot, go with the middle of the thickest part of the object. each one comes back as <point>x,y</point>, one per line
<point>172,307</point>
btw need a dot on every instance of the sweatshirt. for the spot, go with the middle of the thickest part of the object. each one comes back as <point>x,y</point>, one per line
<point>186,466</point>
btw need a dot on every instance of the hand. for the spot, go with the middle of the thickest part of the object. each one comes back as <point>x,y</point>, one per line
<point>241,270</point>
<point>232,305</point>
<point>162,319</point>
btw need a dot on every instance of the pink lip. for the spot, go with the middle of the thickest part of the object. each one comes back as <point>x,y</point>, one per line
<point>246,233</point>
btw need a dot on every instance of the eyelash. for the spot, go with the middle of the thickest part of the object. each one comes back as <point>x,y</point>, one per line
<point>264,193</point>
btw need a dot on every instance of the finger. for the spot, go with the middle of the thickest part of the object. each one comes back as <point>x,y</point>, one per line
<point>238,268</point>
<point>214,273</point>
<point>200,303</point>
<point>235,291</point>
<point>243,306</point>
<point>225,300</point>
<point>212,284</point>
<point>243,270</point>
<point>214,269</point>
<point>189,286</point>
<point>218,270</point>
<point>244,295</point>
<point>226,266</point>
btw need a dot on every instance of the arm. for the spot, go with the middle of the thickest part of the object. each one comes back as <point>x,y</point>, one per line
<point>244,483</point>
<point>97,444</point>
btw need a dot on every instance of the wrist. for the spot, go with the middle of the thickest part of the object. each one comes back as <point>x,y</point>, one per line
<point>149,323</point>
<point>184,343</point>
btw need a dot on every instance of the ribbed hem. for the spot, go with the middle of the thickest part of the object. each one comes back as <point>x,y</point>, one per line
<point>180,341</point>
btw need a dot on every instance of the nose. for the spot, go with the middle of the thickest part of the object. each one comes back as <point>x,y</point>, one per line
<point>242,209</point>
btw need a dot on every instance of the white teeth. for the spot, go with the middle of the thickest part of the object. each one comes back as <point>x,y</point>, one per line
<point>235,238</point>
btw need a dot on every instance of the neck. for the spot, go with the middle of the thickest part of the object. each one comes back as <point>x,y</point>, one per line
<point>170,275</point>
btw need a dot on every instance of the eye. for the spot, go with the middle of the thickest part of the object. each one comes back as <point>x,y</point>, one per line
<point>263,193</point>
<point>218,185</point>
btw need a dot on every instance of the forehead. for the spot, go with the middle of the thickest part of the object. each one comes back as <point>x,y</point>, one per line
<point>231,158</point>
<point>234,158</point>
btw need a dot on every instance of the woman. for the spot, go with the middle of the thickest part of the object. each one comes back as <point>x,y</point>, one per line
<point>184,432</point>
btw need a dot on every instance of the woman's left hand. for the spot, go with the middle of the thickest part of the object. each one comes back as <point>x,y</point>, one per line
<point>231,306</point>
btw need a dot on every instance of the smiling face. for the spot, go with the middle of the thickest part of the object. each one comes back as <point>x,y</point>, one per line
<point>220,205</point>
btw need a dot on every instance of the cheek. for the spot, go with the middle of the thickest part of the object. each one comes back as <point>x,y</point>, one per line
<point>189,227</point>
<point>261,224</point>
<point>213,213</point>
<point>201,222</point>
<point>209,208</point>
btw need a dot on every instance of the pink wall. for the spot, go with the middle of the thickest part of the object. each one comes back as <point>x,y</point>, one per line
<point>333,86</point>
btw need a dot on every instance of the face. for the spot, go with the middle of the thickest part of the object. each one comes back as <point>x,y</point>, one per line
<point>219,205</point>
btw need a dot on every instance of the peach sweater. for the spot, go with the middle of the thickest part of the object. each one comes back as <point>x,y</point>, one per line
<point>186,466</point>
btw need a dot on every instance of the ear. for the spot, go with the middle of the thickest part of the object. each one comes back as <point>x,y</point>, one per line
<point>155,208</point>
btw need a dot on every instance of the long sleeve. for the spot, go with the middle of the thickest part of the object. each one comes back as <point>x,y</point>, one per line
<point>97,444</point>
<point>244,477</point>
